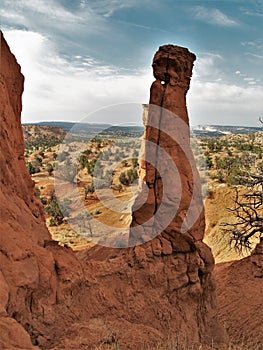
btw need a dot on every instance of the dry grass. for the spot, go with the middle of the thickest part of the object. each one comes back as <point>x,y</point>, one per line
<point>178,342</point>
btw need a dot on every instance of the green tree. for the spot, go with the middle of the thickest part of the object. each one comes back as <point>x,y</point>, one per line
<point>32,169</point>
<point>91,165</point>
<point>135,162</point>
<point>123,179</point>
<point>83,161</point>
<point>209,161</point>
<point>57,211</point>
<point>37,192</point>
<point>50,168</point>
<point>37,161</point>
<point>89,190</point>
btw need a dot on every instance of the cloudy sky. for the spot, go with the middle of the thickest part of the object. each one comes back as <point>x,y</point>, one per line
<point>79,56</point>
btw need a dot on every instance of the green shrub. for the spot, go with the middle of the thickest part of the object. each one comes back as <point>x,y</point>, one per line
<point>50,168</point>
<point>32,169</point>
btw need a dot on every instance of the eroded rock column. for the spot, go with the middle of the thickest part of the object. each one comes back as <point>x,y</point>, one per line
<point>170,205</point>
<point>168,219</point>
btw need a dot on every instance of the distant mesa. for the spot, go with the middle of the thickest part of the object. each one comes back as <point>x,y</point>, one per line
<point>36,132</point>
<point>197,130</point>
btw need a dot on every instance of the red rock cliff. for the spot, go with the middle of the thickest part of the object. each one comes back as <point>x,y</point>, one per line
<point>133,297</point>
<point>29,264</point>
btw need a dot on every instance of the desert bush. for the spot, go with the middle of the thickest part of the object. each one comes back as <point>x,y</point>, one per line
<point>42,154</point>
<point>57,210</point>
<point>83,161</point>
<point>37,191</point>
<point>123,179</point>
<point>43,200</point>
<point>89,190</point>
<point>50,168</point>
<point>90,165</point>
<point>119,187</point>
<point>135,162</point>
<point>32,169</point>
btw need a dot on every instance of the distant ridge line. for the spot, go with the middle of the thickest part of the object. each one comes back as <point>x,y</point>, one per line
<point>197,130</point>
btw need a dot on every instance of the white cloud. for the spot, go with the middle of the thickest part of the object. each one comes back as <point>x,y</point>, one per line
<point>254,8</point>
<point>248,43</point>
<point>56,89</point>
<point>50,18</point>
<point>213,16</point>
<point>254,55</point>
<point>10,15</point>
<point>40,7</point>
<point>249,79</point>
<point>107,8</point>
<point>59,89</point>
<point>223,103</point>
<point>207,66</point>
<point>212,99</point>
<point>255,44</point>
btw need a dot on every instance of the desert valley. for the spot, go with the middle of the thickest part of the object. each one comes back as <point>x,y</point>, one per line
<point>182,279</point>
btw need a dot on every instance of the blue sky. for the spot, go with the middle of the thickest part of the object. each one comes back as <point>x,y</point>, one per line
<point>79,56</point>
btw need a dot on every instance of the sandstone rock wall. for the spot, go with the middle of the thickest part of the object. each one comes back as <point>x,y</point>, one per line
<point>30,271</point>
<point>132,297</point>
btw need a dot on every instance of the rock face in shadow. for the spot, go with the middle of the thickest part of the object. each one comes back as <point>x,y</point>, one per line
<point>54,299</point>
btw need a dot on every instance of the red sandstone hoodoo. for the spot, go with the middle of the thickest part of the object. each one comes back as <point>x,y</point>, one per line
<point>174,205</point>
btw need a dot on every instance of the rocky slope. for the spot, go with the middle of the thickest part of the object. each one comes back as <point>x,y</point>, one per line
<point>53,299</point>
<point>43,133</point>
<point>240,299</point>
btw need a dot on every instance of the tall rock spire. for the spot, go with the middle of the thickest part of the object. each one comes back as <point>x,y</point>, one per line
<point>171,202</point>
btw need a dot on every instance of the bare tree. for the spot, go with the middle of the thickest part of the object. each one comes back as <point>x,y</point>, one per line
<point>248,209</point>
